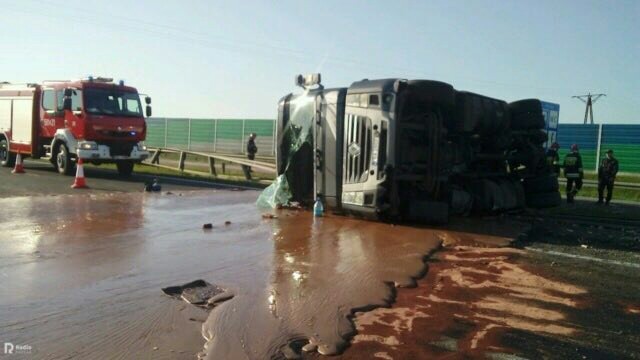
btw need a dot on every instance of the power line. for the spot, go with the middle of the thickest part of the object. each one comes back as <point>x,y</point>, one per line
<point>589,99</point>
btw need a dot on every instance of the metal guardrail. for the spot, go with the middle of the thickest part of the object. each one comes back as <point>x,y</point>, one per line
<point>154,160</point>
<point>594,183</point>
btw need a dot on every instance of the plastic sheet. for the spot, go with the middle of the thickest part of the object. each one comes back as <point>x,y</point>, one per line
<point>295,183</point>
<point>278,193</point>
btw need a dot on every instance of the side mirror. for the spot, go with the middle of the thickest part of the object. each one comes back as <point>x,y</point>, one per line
<point>148,110</point>
<point>147,100</point>
<point>66,104</point>
<point>68,92</point>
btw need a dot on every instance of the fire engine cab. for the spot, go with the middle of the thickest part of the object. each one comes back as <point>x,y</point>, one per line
<point>95,119</point>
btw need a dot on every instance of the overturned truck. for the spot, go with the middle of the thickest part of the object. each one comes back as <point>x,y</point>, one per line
<point>411,150</point>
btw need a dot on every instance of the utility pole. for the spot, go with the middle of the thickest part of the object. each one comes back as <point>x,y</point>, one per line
<point>589,99</point>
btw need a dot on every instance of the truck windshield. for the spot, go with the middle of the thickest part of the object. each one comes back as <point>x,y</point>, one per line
<point>112,102</point>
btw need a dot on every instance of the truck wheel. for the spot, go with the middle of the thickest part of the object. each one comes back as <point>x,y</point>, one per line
<point>7,159</point>
<point>526,121</point>
<point>544,200</point>
<point>434,91</point>
<point>64,164</point>
<point>526,106</point>
<point>125,168</point>
<point>541,184</point>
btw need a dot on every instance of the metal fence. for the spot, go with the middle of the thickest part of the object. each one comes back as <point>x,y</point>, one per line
<point>229,136</point>
<point>211,135</point>
<point>594,140</point>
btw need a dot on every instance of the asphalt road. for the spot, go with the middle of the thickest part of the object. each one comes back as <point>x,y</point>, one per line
<point>40,178</point>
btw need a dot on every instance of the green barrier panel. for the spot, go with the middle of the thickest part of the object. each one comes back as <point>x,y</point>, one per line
<point>177,133</point>
<point>203,135</point>
<point>229,129</point>
<point>628,156</point>
<point>262,128</point>
<point>155,133</point>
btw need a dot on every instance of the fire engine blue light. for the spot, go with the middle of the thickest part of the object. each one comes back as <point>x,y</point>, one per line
<point>133,133</point>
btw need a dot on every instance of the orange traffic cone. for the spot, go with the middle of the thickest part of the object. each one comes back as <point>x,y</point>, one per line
<point>79,182</point>
<point>19,168</point>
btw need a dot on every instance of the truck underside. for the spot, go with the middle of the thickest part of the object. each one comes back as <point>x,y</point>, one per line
<point>413,150</point>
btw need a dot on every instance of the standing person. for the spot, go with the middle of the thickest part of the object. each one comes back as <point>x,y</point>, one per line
<point>553,159</point>
<point>573,172</point>
<point>607,172</point>
<point>252,149</point>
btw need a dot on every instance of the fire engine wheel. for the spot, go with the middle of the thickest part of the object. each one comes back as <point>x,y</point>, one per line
<point>64,164</point>
<point>125,168</point>
<point>7,159</point>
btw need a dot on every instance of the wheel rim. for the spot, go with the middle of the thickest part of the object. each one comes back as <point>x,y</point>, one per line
<point>60,158</point>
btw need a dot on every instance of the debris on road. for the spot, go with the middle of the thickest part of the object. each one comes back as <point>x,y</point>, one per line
<point>207,226</point>
<point>199,293</point>
<point>269,216</point>
<point>227,223</point>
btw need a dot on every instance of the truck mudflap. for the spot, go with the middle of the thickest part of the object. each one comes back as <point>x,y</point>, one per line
<point>92,151</point>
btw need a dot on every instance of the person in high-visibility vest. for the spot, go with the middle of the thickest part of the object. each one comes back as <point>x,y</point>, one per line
<point>553,159</point>
<point>573,172</point>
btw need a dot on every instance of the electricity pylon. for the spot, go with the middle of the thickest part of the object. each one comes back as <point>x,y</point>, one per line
<point>589,99</point>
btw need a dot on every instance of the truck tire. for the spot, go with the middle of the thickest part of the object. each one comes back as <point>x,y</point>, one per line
<point>527,121</point>
<point>125,168</point>
<point>64,164</point>
<point>526,106</point>
<point>537,137</point>
<point>544,200</point>
<point>541,184</point>
<point>7,159</point>
<point>434,91</point>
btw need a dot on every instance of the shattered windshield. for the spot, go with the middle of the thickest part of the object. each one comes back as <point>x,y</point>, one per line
<point>112,102</point>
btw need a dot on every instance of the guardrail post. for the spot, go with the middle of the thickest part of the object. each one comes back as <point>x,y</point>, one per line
<point>183,157</point>
<point>598,146</point>
<point>212,166</point>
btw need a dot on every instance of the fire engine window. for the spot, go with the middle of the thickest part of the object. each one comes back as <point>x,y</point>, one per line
<point>76,100</point>
<point>60,97</point>
<point>48,100</point>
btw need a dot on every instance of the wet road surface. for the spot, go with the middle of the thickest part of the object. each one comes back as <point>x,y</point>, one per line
<point>82,276</point>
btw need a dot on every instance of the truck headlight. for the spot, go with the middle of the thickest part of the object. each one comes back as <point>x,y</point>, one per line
<point>142,147</point>
<point>88,146</point>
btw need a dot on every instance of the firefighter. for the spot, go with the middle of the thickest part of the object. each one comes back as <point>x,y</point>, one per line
<point>252,149</point>
<point>553,159</point>
<point>573,172</point>
<point>607,172</point>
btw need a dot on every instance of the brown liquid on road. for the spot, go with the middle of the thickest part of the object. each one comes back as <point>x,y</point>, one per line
<point>81,276</point>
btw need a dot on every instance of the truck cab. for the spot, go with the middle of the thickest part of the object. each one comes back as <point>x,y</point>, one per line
<point>414,150</point>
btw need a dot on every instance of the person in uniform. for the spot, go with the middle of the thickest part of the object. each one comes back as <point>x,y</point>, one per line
<point>607,172</point>
<point>573,172</point>
<point>553,159</point>
<point>252,149</point>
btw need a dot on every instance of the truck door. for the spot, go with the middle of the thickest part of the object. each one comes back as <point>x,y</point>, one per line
<point>328,128</point>
<point>48,113</point>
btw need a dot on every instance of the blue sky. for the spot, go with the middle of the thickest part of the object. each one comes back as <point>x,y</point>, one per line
<point>236,59</point>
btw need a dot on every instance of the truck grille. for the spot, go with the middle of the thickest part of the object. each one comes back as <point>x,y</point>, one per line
<point>120,148</point>
<point>357,149</point>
